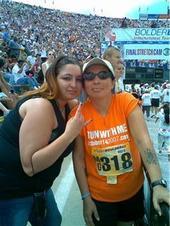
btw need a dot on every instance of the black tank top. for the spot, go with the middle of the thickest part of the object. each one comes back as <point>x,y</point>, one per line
<point>13,180</point>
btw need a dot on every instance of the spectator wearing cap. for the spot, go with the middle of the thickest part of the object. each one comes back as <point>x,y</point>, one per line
<point>110,152</point>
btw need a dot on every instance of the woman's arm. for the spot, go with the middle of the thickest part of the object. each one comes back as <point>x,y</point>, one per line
<point>4,85</point>
<point>79,166</point>
<point>89,207</point>
<point>38,122</point>
<point>11,99</point>
<point>142,139</point>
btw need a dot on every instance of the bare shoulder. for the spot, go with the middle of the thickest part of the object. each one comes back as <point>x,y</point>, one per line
<point>39,105</point>
<point>38,116</point>
<point>73,103</point>
<point>39,102</point>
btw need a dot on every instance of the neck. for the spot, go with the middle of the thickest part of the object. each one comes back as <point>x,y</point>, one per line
<point>49,61</point>
<point>102,105</point>
<point>61,104</point>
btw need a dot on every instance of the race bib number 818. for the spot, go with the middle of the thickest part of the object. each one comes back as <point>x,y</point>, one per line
<point>113,161</point>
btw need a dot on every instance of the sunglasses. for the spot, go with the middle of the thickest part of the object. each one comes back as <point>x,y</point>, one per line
<point>102,75</point>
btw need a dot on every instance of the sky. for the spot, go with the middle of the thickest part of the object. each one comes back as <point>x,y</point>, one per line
<point>110,8</point>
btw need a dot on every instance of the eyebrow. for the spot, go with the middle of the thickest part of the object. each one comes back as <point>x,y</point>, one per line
<point>67,74</point>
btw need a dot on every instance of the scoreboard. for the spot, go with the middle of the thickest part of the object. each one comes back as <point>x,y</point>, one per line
<point>143,74</point>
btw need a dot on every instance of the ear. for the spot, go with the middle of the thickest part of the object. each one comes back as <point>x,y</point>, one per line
<point>113,86</point>
<point>113,82</point>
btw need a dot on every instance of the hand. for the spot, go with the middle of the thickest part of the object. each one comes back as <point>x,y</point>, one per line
<point>75,124</point>
<point>89,210</point>
<point>160,194</point>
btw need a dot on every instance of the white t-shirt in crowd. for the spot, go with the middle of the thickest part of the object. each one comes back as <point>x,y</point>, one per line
<point>146,99</point>
<point>166,95</point>
<point>155,94</point>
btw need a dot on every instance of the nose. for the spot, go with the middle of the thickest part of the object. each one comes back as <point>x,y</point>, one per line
<point>96,79</point>
<point>73,82</point>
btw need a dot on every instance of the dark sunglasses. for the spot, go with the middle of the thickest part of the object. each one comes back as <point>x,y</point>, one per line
<point>102,75</point>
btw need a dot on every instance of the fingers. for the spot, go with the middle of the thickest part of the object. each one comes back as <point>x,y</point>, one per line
<point>78,116</point>
<point>87,122</point>
<point>78,109</point>
<point>89,221</point>
<point>159,197</point>
<point>96,215</point>
<point>89,217</point>
<point>157,208</point>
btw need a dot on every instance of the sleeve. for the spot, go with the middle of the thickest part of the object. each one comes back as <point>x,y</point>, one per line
<point>129,102</point>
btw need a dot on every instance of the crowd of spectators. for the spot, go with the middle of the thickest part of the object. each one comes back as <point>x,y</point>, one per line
<point>40,29</point>
<point>28,34</point>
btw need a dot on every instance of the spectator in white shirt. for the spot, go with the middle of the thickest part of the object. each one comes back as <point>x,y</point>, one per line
<point>48,62</point>
<point>146,103</point>
<point>166,94</point>
<point>164,129</point>
<point>155,100</point>
<point>20,77</point>
<point>119,73</point>
<point>17,70</point>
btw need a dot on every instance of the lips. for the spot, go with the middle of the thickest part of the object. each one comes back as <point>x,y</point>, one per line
<point>96,89</point>
<point>72,92</point>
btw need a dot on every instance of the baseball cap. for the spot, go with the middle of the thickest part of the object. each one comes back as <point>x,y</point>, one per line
<point>98,61</point>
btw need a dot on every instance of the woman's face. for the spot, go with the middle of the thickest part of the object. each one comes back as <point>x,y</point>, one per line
<point>119,70</point>
<point>51,55</point>
<point>115,58</point>
<point>69,82</point>
<point>98,88</point>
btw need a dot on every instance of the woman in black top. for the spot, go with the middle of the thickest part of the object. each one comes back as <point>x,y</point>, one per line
<point>34,139</point>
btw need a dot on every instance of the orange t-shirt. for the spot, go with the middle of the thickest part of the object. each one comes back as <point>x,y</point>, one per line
<point>113,162</point>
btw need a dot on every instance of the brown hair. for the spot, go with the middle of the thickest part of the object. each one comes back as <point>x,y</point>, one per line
<point>49,89</point>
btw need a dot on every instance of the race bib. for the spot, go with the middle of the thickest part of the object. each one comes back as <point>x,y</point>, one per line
<point>113,161</point>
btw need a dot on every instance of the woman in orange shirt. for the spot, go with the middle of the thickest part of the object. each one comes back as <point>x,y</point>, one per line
<point>109,153</point>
